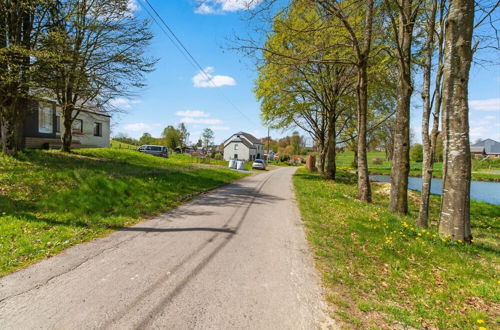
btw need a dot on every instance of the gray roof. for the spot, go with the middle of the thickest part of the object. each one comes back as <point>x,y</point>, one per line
<point>247,137</point>
<point>250,137</point>
<point>245,142</point>
<point>490,146</point>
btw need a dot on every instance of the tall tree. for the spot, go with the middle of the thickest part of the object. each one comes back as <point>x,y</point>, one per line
<point>357,19</point>
<point>434,33</point>
<point>172,137</point>
<point>21,22</point>
<point>184,135</point>
<point>455,203</point>
<point>207,137</point>
<point>402,14</point>
<point>101,47</point>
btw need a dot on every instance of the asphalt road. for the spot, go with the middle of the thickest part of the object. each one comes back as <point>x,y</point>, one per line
<point>234,258</point>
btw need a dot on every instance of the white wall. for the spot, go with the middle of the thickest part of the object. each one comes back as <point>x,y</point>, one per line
<point>87,138</point>
<point>243,151</point>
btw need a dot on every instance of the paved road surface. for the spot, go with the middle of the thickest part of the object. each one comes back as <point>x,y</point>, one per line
<point>234,258</point>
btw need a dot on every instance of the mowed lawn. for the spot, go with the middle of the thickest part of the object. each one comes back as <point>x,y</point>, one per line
<point>484,173</point>
<point>50,200</point>
<point>381,271</point>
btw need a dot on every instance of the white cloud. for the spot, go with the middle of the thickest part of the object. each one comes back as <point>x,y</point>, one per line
<point>484,128</point>
<point>220,6</point>
<point>191,113</point>
<point>207,121</point>
<point>204,9</point>
<point>197,118</point>
<point>137,127</point>
<point>132,6</point>
<point>123,103</point>
<point>207,80</point>
<point>219,128</point>
<point>485,105</point>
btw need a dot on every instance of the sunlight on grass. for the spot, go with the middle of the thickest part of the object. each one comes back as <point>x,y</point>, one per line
<point>50,200</point>
<point>386,271</point>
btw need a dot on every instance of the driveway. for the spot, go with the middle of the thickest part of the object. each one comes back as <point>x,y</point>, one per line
<point>234,258</point>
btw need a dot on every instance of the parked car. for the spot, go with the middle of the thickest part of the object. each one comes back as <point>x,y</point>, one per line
<point>259,164</point>
<point>161,151</point>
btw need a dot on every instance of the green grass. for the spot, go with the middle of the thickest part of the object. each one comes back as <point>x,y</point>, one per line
<point>381,271</point>
<point>50,200</point>
<point>345,159</point>
<point>121,145</point>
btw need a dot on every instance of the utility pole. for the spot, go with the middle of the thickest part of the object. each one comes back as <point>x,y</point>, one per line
<point>268,142</point>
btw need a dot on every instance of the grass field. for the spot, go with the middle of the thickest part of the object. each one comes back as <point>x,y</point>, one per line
<point>50,200</point>
<point>382,272</point>
<point>121,145</point>
<point>345,159</point>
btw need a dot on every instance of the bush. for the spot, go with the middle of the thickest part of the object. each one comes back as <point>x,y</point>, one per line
<point>416,153</point>
<point>377,161</point>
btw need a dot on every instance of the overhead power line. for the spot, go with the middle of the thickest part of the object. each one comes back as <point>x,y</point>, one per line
<point>186,53</point>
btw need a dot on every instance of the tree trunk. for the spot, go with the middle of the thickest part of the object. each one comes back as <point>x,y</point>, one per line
<point>11,129</point>
<point>331,165</point>
<point>67,137</point>
<point>401,157</point>
<point>428,155</point>
<point>364,191</point>
<point>455,207</point>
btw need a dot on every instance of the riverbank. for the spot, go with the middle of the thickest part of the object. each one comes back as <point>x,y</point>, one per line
<point>380,271</point>
<point>50,200</point>
<point>378,165</point>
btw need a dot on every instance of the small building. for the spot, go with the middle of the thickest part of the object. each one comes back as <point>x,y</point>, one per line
<point>243,146</point>
<point>491,148</point>
<point>478,152</point>
<point>44,127</point>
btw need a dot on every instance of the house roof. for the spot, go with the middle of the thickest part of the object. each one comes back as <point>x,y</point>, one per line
<point>248,138</point>
<point>490,146</point>
<point>243,141</point>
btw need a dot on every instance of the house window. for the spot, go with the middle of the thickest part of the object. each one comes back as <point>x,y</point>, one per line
<point>58,124</point>
<point>236,146</point>
<point>77,126</point>
<point>97,129</point>
<point>45,119</point>
<point>235,156</point>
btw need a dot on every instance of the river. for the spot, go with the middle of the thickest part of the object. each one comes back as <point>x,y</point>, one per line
<point>488,192</point>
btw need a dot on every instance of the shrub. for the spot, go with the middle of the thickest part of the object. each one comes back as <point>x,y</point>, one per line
<point>416,153</point>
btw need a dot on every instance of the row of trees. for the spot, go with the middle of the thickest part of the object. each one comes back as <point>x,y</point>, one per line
<point>78,53</point>
<point>344,72</point>
<point>173,138</point>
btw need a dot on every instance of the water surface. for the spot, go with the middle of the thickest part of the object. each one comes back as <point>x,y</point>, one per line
<point>488,192</point>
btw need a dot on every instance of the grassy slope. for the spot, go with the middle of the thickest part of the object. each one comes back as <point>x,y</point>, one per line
<point>344,160</point>
<point>49,200</point>
<point>380,270</point>
<point>121,145</point>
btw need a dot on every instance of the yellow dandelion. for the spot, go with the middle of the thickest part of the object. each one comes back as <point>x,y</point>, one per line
<point>480,321</point>
<point>482,328</point>
<point>419,234</point>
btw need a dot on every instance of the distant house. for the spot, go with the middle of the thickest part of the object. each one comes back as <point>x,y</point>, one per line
<point>487,148</point>
<point>243,146</point>
<point>44,127</point>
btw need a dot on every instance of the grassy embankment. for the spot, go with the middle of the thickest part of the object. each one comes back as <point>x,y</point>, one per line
<point>481,173</point>
<point>50,201</point>
<point>381,271</point>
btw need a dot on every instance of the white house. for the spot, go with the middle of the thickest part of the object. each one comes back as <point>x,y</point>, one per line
<point>243,146</point>
<point>44,127</point>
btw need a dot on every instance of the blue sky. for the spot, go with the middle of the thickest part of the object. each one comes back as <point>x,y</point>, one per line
<point>178,92</point>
